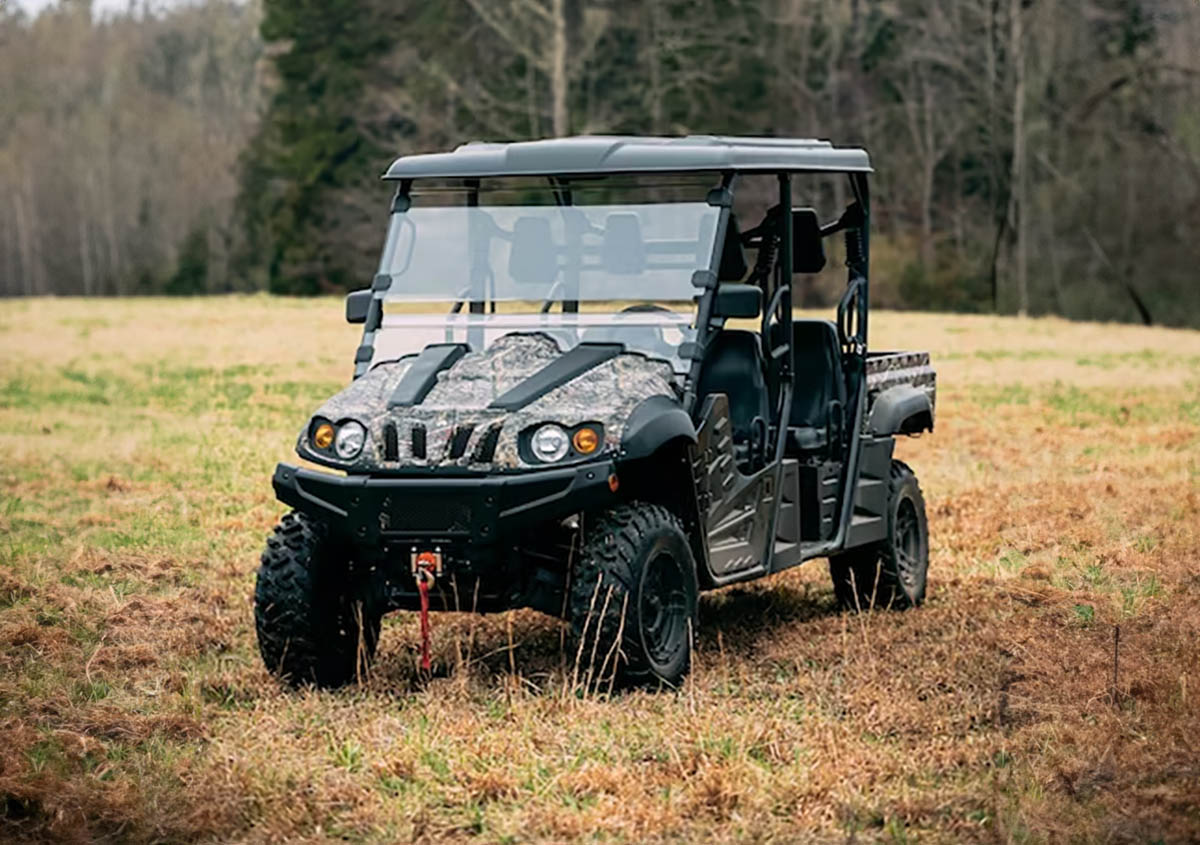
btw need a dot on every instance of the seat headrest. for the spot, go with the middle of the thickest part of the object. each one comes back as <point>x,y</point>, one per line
<point>814,335</point>
<point>624,250</point>
<point>532,259</point>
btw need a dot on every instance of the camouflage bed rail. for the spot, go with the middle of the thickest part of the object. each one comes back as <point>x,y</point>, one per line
<point>889,369</point>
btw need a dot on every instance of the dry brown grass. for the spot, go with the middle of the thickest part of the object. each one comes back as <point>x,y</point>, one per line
<point>1064,495</point>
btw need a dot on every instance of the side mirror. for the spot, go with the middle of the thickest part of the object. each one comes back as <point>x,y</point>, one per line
<point>358,305</point>
<point>808,250</point>
<point>738,302</point>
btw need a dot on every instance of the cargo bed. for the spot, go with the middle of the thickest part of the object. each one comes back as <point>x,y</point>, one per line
<point>886,370</point>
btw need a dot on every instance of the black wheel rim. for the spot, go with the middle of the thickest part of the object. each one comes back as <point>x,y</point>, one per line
<point>909,559</point>
<point>663,608</point>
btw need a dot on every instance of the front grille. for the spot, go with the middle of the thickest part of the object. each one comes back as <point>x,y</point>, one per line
<point>485,450</point>
<point>458,443</point>
<point>428,514</point>
<point>475,441</point>
<point>391,443</point>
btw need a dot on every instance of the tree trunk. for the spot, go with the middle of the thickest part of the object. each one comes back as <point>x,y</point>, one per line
<point>1018,207</point>
<point>928,168</point>
<point>1128,269</point>
<point>960,216</point>
<point>531,100</point>
<point>85,256</point>
<point>8,285</point>
<point>832,71</point>
<point>23,235</point>
<point>20,277</point>
<point>654,67</point>
<point>116,271</point>
<point>1000,213</point>
<point>558,69</point>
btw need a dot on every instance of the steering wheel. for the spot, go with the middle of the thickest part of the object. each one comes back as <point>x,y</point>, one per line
<point>642,338</point>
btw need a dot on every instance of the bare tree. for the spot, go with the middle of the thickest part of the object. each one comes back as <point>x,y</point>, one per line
<point>1018,205</point>
<point>553,37</point>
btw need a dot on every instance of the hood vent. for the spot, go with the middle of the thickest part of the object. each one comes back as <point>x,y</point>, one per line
<point>418,442</point>
<point>555,374</point>
<point>422,373</point>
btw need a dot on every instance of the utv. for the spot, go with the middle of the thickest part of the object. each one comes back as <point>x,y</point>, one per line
<point>576,393</point>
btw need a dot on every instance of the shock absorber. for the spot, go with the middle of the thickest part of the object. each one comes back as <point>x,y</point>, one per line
<point>767,251</point>
<point>855,255</point>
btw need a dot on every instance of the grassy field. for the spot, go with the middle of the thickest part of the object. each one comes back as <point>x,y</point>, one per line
<point>1063,481</point>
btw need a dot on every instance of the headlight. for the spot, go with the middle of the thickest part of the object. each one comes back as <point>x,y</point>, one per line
<point>351,438</point>
<point>550,443</point>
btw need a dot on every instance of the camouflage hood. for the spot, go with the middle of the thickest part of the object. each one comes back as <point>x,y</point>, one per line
<point>461,424</point>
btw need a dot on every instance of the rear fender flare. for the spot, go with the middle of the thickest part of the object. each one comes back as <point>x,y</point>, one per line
<point>902,409</point>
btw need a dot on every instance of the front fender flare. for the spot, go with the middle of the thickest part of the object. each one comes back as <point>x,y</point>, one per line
<point>655,422</point>
<point>902,409</point>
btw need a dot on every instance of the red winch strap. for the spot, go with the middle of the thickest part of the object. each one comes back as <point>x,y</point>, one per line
<point>423,580</point>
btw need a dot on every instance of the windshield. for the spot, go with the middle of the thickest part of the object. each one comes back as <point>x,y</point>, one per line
<point>552,242</point>
<point>582,260</point>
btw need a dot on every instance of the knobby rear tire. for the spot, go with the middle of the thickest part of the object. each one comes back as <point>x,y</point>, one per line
<point>893,572</point>
<point>311,629</point>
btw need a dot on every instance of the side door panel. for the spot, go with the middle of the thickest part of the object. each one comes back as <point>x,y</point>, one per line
<point>737,507</point>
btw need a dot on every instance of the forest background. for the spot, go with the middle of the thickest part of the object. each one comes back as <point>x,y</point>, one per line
<point>1036,156</point>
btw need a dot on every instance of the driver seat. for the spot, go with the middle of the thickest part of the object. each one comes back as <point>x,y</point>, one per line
<point>733,365</point>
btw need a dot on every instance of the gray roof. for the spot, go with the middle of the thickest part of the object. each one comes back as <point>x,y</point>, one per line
<point>609,154</point>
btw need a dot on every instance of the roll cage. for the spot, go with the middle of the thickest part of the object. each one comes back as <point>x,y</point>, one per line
<point>776,287</point>
<point>729,156</point>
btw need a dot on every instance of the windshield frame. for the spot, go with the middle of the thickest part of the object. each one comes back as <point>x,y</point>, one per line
<point>657,333</point>
<point>704,281</point>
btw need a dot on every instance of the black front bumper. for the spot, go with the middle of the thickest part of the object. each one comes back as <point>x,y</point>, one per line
<point>374,511</point>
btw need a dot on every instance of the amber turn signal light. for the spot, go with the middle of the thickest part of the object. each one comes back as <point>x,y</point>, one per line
<point>323,436</point>
<point>586,441</point>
